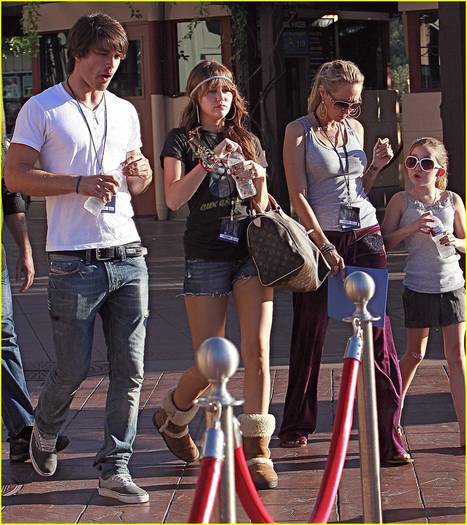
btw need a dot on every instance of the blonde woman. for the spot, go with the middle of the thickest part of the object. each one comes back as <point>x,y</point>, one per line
<point>434,294</point>
<point>328,180</point>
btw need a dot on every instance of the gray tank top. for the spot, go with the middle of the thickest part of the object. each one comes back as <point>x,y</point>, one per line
<point>327,188</point>
<point>425,270</point>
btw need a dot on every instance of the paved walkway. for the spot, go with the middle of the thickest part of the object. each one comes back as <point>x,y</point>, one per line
<point>429,491</point>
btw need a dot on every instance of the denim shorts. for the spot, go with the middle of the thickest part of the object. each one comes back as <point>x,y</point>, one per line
<point>431,310</point>
<point>205,277</point>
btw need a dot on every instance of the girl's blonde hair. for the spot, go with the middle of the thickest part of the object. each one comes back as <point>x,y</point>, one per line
<point>330,75</point>
<point>235,120</point>
<point>439,152</point>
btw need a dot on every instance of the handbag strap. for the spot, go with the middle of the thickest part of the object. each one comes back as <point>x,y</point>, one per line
<point>272,205</point>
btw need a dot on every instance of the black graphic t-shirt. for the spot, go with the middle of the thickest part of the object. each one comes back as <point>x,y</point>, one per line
<point>212,201</point>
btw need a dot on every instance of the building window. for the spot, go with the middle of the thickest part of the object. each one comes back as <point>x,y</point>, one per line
<point>423,46</point>
<point>194,44</point>
<point>53,59</point>
<point>17,86</point>
<point>127,81</point>
<point>429,50</point>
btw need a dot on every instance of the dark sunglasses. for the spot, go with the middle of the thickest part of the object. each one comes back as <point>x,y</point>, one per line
<point>426,164</point>
<point>344,105</point>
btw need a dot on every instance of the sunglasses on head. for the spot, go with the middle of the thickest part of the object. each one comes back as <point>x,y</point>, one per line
<point>426,163</point>
<point>344,105</point>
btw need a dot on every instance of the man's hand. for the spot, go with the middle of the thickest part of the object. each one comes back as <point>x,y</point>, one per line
<point>102,186</point>
<point>137,166</point>
<point>137,171</point>
<point>25,267</point>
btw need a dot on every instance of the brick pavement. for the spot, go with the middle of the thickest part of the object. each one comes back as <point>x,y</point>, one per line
<point>429,491</point>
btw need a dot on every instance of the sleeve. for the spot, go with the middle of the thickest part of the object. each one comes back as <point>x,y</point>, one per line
<point>12,202</point>
<point>134,141</point>
<point>260,153</point>
<point>175,146</point>
<point>30,126</point>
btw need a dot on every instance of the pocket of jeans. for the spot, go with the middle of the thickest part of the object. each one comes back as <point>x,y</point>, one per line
<point>64,267</point>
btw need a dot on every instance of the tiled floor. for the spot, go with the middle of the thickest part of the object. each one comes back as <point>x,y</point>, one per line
<point>429,491</point>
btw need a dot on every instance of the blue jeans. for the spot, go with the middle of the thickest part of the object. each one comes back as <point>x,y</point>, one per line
<point>17,411</point>
<point>118,292</point>
<point>206,277</point>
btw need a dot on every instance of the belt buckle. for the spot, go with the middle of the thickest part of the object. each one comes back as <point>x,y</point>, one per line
<point>102,254</point>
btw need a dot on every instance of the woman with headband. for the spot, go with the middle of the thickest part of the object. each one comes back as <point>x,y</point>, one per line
<point>207,162</point>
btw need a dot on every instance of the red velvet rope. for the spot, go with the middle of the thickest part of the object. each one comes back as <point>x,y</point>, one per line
<point>210,474</point>
<point>339,443</point>
<point>246,491</point>
<point>206,490</point>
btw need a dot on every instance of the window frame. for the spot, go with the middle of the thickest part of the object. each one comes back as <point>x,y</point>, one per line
<point>171,82</point>
<point>414,51</point>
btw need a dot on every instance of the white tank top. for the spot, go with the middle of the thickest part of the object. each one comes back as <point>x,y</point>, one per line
<point>425,270</point>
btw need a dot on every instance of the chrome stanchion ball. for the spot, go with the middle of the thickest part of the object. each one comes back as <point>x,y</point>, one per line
<point>359,287</point>
<point>217,359</point>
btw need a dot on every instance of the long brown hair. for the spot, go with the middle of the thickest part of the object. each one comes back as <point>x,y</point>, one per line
<point>234,122</point>
<point>439,152</point>
<point>330,75</point>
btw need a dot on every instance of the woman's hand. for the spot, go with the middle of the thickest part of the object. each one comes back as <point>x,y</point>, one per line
<point>422,224</point>
<point>336,262</point>
<point>382,153</point>
<point>225,147</point>
<point>248,169</point>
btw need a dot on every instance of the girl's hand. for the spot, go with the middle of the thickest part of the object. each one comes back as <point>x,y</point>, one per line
<point>422,224</point>
<point>225,147</point>
<point>382,153</point>
<point>336,262</point>
<point>248,169</point>
<point>449,240</point>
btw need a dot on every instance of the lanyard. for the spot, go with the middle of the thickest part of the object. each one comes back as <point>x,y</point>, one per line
<point>345,171</point>
<point>100,162</point>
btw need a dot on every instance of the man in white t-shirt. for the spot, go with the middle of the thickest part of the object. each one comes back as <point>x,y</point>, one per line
<point>86,142</point>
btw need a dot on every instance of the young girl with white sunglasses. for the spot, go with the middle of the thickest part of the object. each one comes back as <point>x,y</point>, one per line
<point>434,294</point>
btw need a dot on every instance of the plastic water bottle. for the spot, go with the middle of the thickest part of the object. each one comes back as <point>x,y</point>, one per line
<point>95,205</point>
<point>437,232</point>
<point>245,187</point>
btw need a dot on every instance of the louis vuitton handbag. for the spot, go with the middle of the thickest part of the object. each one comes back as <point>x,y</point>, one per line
<point>282,251</point>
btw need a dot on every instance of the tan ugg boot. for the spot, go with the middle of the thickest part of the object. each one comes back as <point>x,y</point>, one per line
<point>257,430</point>
<point>172,424</point>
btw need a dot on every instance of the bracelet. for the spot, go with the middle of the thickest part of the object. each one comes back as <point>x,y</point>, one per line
<point>78,182</point>
<point>205,168</point>
<point>327,248</point>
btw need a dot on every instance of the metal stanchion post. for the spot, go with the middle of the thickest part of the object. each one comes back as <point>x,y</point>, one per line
<point>217,359</point>
<point>360,287</point>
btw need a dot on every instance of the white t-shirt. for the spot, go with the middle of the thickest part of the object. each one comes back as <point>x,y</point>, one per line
<point>52,124</point>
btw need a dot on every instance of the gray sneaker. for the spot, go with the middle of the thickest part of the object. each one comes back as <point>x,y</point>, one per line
<point>43,452</point>
<point>122,488</point>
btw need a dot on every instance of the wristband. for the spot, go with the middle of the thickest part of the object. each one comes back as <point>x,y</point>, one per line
<point>78,182</point>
